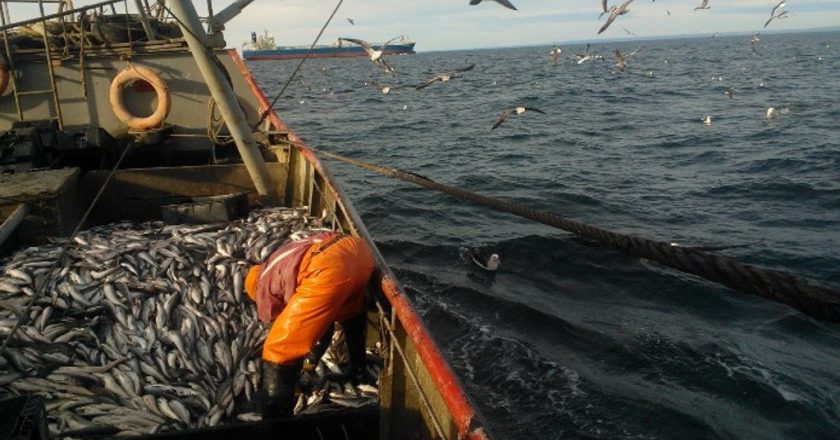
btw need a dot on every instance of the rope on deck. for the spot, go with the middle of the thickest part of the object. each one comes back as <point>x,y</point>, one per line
<point>819,302</point>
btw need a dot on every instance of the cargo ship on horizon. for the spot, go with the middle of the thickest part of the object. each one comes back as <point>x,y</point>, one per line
<point>263,47</point>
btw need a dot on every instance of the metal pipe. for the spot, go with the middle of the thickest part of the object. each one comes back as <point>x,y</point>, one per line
<point>60,14</point>
<point>144,20</point>
<point>51,70</point>
<point>13,221</point>
<point>225,99</point>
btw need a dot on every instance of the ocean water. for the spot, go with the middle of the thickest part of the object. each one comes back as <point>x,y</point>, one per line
<point>574,340</point>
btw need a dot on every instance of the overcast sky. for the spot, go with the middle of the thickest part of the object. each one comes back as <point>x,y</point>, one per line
<point>454,24</point>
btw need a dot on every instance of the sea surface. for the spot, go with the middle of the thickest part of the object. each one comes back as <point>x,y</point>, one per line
<point>574,340</point>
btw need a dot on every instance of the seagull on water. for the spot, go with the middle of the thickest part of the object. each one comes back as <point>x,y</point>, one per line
<point>487,262</point>
<point>703,5</point>
<point>444,77</point>
<point>514,111</point>
<point>504,3</point>
<point>614,13</point>
<point>374,54</point>
<point>707,120</point>
<point>385,89</point>
<point>728,92</point>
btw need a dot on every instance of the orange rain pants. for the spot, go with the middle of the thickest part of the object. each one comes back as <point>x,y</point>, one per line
<point>330,287</point>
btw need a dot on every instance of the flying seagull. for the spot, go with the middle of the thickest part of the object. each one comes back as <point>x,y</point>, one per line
<point>374,54</point>
<point>629,33</point>
<point>555,54</point>
<point>780,15</point>
<point>504,3</point>
<point>614,13</point>
<point>753,41</point>
<point>585,57</point>
<point>514,111</point>
<point>351,21</point>
<point>620,62</point>
<point>484,261</point>
<point>703,5</point>
<point>781,4</point>
<point>605,9</point>
<point>443,77</point>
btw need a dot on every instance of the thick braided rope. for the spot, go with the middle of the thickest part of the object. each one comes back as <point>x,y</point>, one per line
<point>816,301</point>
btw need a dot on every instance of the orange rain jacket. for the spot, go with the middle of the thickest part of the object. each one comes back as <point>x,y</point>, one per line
<point>330,287</point>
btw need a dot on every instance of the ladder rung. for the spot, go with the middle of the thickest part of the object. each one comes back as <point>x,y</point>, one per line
<point>35,92</point>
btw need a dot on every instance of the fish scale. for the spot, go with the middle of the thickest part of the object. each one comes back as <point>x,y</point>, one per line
<point>164,289</point>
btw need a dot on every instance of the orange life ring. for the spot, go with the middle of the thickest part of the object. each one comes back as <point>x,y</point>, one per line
<point>125,78</point>
<point>4,74</point>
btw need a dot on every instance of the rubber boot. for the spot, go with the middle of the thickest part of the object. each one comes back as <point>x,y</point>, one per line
<point>278,389</point>
<point>354,335</point>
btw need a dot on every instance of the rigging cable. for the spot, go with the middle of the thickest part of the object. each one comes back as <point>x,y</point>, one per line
<point>305,57</point>
<point>819,302</point>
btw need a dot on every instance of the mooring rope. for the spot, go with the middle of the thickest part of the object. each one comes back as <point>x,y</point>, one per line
<point>816,301</point>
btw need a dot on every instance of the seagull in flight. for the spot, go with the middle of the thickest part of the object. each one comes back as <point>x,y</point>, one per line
<point>504,3</point>
<point>444,77</point>
<point>514,111</point>
<point>781,4</point>
<point>374,54</point>
<point>774,15</point>
<point>606,10</point>
<point>614,13</point>
<point>585,57</point>
<point>555,54</point>
<point>351,21</point>
<point>621,60</point>
<point>703,5</point>
<point>629,33</point>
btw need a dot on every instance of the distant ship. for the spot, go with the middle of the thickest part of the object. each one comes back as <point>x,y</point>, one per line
<point>263,47</point>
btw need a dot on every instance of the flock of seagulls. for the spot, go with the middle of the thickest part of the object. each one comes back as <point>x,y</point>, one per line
<point>490,262</point>
<point>616,11</point>
<point>376,56</point>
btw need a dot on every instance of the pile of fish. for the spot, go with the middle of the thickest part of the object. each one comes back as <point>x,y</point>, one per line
<point>146,328</point>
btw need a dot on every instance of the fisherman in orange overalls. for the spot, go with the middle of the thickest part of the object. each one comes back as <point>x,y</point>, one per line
<point>303,287</point>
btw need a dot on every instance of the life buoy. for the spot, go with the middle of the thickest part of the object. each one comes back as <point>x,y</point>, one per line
<point>125,78</point>
<point>4,74</point>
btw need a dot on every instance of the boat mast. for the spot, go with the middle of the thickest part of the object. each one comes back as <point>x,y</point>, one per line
<point>222,92</point>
